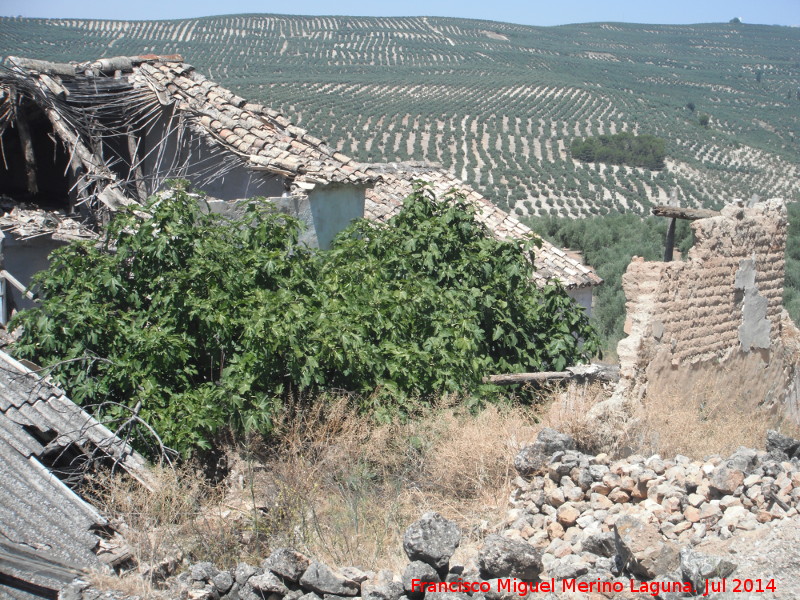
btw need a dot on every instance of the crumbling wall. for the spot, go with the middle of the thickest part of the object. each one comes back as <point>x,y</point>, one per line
<point>719,312</point>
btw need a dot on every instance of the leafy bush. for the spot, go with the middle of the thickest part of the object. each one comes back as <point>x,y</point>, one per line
<point>201,323</point>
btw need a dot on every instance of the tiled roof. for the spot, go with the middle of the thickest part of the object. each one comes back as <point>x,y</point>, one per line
<point>46,529</point>
<point>263,137</point>
<point>267,141</point>
<point>396,182</point>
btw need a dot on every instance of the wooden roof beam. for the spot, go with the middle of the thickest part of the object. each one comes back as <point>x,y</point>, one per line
<point>690,214</point>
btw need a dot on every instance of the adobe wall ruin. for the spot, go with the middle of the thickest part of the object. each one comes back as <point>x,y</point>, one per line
<point>717,317</point>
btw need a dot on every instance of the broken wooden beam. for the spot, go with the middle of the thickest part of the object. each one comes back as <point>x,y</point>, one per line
<point>514,378</point>
<point>27,152</point>
<point>42,66</point>
<point>592,372</point>
<point>54,86</point>
<point>17,284</point>
<point>677,212</point>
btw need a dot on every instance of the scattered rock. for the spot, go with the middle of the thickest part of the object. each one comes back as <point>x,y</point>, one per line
<point>223,581</point>
<point>581,516</point>
<point>203,571</point>
<point>642,550</point>
<point>417,570</point>
<point>447,596</point>
<point>287,563</point>
<point>535,457</point>
<point>567,515</point>
<point>782,444</point>
<point>601,544</point>
<point>391,590</point>
<point>319,578</point>
<point>725,479</point>
<point>244,572</point>
<point>354,574</point>
<point>432,540</point>
<point>697,567</point>
<point>502,557</point>
<point>267,583</point>
<point>569,567</point>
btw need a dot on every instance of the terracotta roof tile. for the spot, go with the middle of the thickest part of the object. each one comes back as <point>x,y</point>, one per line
<point>248,127</point>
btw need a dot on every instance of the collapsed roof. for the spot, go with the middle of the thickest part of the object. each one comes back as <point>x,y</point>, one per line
<point>105,113</point>
<point>103,110</point>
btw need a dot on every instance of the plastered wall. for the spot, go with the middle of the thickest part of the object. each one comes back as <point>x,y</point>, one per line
<point>719,308</point>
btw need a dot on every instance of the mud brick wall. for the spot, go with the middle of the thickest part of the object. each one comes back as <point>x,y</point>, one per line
<point>722,303</point>
<point>726,296</point>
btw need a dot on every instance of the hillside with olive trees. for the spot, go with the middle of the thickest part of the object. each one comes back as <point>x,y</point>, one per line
<point>500,104</point>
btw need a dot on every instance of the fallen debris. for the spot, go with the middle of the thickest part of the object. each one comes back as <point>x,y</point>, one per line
<point>28,223</point>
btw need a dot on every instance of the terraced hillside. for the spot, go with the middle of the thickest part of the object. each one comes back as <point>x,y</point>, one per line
<point>497,103</point>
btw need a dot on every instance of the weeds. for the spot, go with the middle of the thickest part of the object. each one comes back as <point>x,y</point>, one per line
<point>330,483</point>
<point>708,416</point>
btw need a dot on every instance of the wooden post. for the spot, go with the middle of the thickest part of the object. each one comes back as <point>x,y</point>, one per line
<point>670,243</point>
<point>674,212</point>
<point>27,152</point>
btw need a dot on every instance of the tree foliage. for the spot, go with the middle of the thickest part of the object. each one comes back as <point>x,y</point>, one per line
<point>209,323</point>
<point>624,148</point>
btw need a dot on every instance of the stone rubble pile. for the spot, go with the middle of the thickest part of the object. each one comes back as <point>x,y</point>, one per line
<point>583,510</point>
<point>574,517</point>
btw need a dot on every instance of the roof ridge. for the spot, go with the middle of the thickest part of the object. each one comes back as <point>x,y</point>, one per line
<point>102,65</point>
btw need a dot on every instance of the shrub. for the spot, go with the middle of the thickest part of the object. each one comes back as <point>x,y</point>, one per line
<point>197,323</point>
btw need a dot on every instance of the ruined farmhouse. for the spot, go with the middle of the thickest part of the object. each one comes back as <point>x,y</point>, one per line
<point>81,140</point>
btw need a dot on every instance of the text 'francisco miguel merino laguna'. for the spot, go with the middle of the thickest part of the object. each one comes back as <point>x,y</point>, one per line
<point>523,588</point>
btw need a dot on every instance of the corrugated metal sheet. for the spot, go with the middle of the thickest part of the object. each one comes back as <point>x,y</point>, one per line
<point>46,529</point>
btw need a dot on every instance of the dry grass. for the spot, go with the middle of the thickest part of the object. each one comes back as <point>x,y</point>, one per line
<point>332,484</point>
<point>705,418</point>
<point>570,413</point>
<point>707,413</point>
<point>169,523</point>
<point>336,486</point>
<point>357,486</point>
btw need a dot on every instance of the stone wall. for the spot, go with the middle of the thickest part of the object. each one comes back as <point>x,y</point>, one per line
<point>720,307</point>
